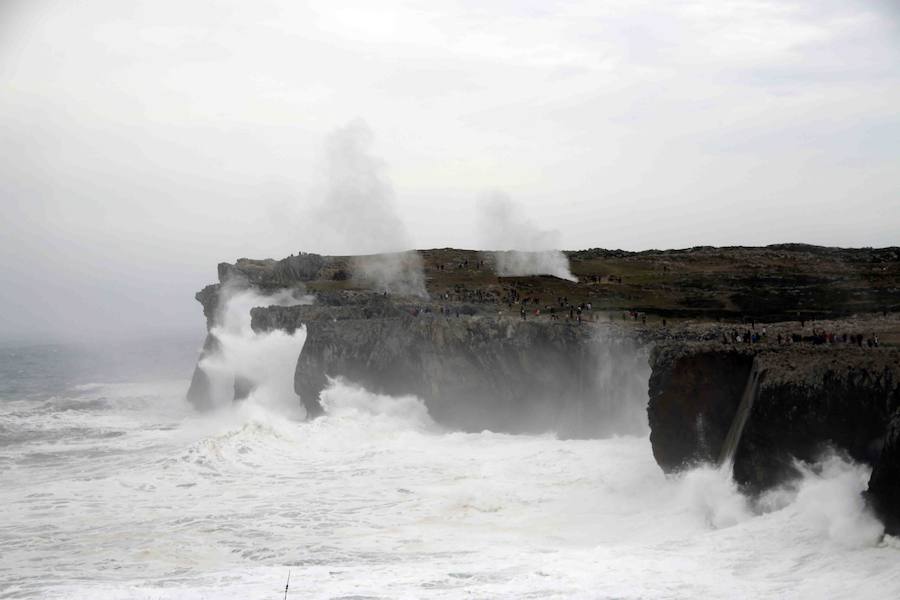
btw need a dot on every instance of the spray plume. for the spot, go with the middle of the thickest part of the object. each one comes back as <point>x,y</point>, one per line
<point>522,247</point>
<point>256,366</point>
<point>359,209</point>
<point>398,273</point>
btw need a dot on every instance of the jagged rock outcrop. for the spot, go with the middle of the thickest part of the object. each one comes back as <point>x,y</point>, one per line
<point>274,273</point>
<point>808,399</point>
<point>208,297</point>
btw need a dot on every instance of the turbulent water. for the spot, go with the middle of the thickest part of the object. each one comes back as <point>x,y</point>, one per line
<point>113,487</point>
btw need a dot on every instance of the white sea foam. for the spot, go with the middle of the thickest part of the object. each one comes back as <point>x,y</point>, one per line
<point>122,491</point>
<point>375,500</point>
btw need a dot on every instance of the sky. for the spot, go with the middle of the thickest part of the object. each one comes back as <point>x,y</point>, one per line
<point>145,141</point>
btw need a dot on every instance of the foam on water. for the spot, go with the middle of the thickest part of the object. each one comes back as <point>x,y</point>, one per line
<point>376,500</point>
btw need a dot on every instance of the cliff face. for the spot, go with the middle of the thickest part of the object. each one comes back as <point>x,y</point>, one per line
<point>472,373</point>
<point>476,369</point>
<point>884,486</point>
<point>807,399</point>
<point>693,397</point>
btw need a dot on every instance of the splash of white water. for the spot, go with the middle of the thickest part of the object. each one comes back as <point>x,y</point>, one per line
<point>266,360</point>
<point>374,499</point>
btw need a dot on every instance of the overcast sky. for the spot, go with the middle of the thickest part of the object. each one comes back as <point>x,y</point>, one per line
<point>142,142</point>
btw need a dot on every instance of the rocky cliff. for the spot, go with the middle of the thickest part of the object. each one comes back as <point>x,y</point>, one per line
<point>807,399</point>
<point>772,283</point>
<point>460,345</point>
<point>473,372</point>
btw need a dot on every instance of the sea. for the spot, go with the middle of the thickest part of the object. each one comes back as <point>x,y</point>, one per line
<point>113,487</point>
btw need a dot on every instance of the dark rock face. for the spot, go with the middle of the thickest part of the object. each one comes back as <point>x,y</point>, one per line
<point>808,399</point>
<point>813,400</point>
<point>472,373</point>
<point>693,399</point>
<point>209,298</point>
<point>884,485</point>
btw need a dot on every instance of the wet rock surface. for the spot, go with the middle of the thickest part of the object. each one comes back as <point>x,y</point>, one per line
<point>475,373</point>
<point>884,486</point>
<point>809,400</point>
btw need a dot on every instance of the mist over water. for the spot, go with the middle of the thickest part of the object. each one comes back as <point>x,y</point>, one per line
<point>120,490</point>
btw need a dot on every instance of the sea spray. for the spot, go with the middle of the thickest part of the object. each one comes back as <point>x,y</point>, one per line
<point>620,376</point>
<point>400,273</point>
<point>137,498</point>
<point>827,500</point>
<point>250,365</point>
<point>357,211</point>
<point>522,248</point>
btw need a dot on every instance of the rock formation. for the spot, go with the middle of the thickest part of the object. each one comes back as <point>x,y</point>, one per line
<point>884,485</point>
<point>808,399</point>
<point>461,346</point>
<point>507,375</point>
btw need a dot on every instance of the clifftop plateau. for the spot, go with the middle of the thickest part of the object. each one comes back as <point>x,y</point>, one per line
<point>772,283</point>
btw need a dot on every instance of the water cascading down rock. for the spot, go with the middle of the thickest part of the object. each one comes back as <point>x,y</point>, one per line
<point>764,408</point>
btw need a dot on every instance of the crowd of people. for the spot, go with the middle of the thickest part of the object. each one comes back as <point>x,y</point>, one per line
<point>461,300</point>
<point>578,313</point>
<point>817,337</point>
